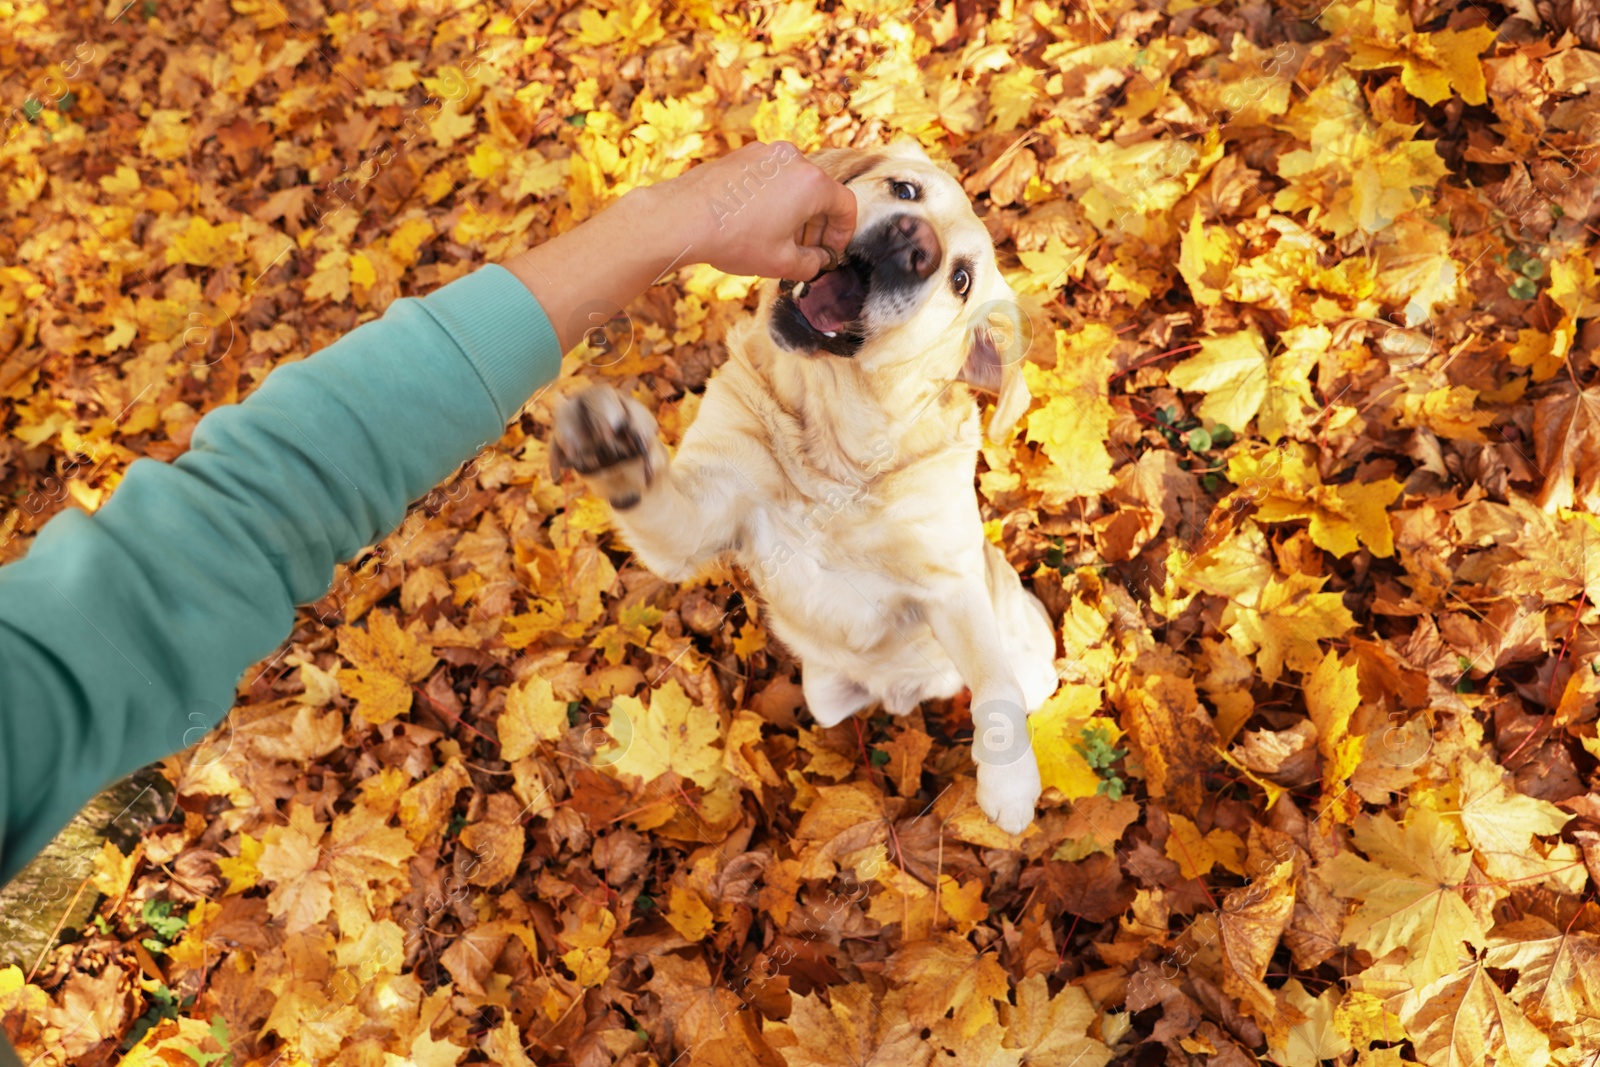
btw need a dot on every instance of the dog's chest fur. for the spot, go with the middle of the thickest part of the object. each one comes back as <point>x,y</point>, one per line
<point>859,518</point>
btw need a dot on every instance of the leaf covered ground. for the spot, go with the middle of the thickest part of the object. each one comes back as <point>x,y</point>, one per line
<point>1310,485</point>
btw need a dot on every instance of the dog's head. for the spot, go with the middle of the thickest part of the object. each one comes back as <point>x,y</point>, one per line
<point>919,290</point>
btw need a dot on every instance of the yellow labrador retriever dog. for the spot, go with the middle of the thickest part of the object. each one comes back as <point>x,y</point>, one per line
<point>833,459</point>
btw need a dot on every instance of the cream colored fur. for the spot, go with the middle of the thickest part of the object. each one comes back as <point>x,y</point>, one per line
<point>844,488</point>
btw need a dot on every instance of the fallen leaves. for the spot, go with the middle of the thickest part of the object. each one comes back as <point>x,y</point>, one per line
<point>1308,487</point>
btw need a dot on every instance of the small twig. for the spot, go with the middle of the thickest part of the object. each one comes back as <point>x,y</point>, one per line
<point>59,924</point>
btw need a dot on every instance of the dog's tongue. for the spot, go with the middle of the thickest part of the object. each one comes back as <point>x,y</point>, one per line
<point>833,301</point>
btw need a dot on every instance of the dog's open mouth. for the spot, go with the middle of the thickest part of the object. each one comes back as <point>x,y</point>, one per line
<point>825,314</point>
<point>833,302</point>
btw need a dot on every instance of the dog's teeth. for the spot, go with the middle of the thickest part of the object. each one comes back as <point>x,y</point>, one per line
<point>799,290</point>
<point>830,333</point>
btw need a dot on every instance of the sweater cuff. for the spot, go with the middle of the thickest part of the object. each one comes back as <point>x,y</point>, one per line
<point>505,333</point>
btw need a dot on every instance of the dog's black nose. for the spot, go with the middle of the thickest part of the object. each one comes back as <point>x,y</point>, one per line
<point>913,247</point>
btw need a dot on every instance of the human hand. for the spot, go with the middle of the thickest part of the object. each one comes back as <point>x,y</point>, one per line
<point>763,209</point>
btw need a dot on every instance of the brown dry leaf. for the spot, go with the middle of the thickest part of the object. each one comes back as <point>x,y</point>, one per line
<point>945,974</point>
<point>89,1011</point>
<point>1252,921</point>
<point>853,1027</point>
<point>1463,1018</point>
<point>425,806</point>
<point>1174,735</point>
<point>1052,1031</point>
<point>1566,437</point>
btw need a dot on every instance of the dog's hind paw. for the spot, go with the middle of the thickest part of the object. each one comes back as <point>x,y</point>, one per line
<point>1007,794</point>
<point>611,440</point>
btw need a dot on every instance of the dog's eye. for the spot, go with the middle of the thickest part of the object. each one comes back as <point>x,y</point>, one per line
<point>960,281</point>
<point>903,190</point>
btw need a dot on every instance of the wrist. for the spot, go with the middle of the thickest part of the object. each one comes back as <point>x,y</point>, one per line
<point>662,223</point>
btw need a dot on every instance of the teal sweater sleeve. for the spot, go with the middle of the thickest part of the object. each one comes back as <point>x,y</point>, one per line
<point>117,626</point>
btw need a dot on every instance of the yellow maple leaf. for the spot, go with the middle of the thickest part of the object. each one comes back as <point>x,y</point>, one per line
<point>750,639</point>
<point>532,714</point>
<point>408,238</point>
<point>539,177</point>
<point>1195,854</point>
<point>387,660</point>
<point>241,871</point>
<point>1206,259</point>
<point>1053,1030</point>
<point>290,860</point>
<point>1342,517</point>
<point>486,160</point>
<point>1057,728</point>
<point>361,270</point>
<point>542,616</point>
<point>1411,893</point>
<point>1316,1036</point>
<point>1073,425</point>
<point>1332,696</point>
<point>1433,65</point>
<point>672,734</point>
<point>590,966</point>
<point>853,1020</point>
<point>947,972</point>
<point>450,125</point>
<point>125,182</point>
<point>331,279</point>
<point>204,245</point>
<point>1232,371</point>
<point>112,870</point>
<point>1558,969</point>
<point>1536,349</point>
<point>425,806</point>
<point>166,135</point>
<point>1501,823</point>
<point>687,913</point>
<point>1282,623</point>
<point>1049,267</point>
<point>1452,411</point>
<point>963,904</point>
<point>1464,1018</point>
<point>631,24</point>
<point>1354,174</point>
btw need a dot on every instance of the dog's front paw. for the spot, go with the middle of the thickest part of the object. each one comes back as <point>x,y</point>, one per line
<point>609,439</point>
<point>1007,794</point>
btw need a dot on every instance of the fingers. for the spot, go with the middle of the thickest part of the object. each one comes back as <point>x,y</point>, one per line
<point>804,262</point>
<point>832,206</point>
<point>839,209</point>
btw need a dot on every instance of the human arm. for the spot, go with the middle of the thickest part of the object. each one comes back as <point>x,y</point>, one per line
<point>763,209</point>
<point>117,627</point>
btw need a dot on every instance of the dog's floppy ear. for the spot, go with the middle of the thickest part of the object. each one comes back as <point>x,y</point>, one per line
<point>845,164</point>
<point>998,338</point>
